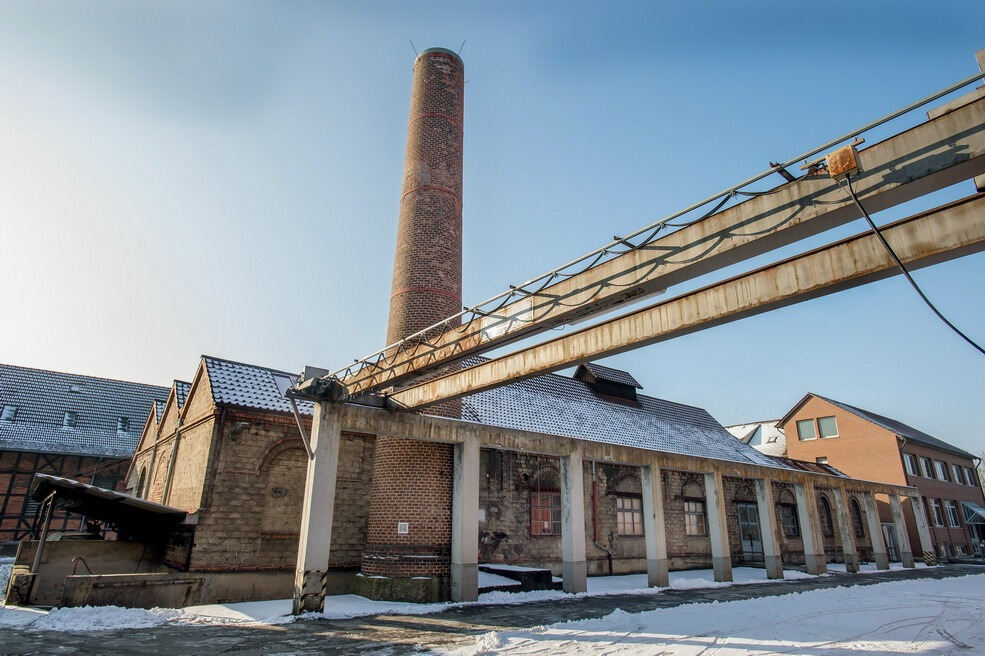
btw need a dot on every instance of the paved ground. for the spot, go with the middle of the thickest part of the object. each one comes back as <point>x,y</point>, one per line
<point>408,634</point>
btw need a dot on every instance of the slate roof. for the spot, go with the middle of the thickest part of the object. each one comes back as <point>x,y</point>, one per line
<point>158,410</point>
<point>42,397</point>
<point>552,404</point>
<point>611,375</point>
<point>910,433</point>
<point>181,389</point>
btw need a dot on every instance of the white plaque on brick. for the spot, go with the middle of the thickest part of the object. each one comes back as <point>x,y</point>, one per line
<point>403,528</point>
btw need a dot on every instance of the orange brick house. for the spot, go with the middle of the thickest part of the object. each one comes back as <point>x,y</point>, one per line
<point>866,445</point>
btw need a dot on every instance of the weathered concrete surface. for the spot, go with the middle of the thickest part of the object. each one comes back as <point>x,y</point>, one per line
<point>930,156</point>
<point>940,234</point>
<point>410,634</point>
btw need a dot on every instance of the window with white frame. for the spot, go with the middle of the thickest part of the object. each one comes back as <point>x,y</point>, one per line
<point>805,429</point>
<point>941,470</point>
<point>629,515</point>
<point>969,476</point>
<point>827,427</point>
<point>958,474</point>
<point>910,463</point>
<point>938,512</point>
<point>694,518</point>
<point>952,514</point>
<point>926,468</point>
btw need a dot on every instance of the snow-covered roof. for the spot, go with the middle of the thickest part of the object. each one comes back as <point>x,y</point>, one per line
<point>42,397</point>
<point>764,436</point>
<point>551,404</point>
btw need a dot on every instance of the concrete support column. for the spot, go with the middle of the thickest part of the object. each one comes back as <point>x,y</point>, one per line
<point>573,524</point>
<point>903,538</point>
<point>846,529</point>
<point>721,554</point>
<point>810,528</point>
<point>318,510</point>
<point>923,531</point>
<point>875,532</point>
<point>465,523</point>
<point>654,529</point>
<point>767,529</point>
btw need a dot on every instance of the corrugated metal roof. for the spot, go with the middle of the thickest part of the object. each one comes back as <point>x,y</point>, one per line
<point>611,375</point>
<point>899,428</point>
<point>551,404</point>
<point>42,397</point>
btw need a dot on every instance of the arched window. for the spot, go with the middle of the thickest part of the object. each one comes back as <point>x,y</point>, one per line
<point>788,514</point>
<point>824,509</point>
<point>857,519</point>
<point>141,482</point>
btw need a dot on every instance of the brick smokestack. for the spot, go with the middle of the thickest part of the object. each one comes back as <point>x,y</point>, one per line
<point>412,481</point>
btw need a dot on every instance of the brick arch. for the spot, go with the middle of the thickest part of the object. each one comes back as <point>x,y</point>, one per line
<point>547,477</point>
<point>786,497</point>
<point>745,493</point>
<point>274,450</point>
<point>629,484</point>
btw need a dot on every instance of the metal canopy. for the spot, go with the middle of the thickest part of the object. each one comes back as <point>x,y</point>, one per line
<point>973,513</point>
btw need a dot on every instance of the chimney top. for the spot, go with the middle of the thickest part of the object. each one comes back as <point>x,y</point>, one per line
<point>443,51</point>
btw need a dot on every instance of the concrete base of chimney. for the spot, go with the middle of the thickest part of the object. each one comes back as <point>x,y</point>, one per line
<point>417,589</point>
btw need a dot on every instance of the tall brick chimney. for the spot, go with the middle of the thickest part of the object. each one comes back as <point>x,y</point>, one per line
<point>409,527</point>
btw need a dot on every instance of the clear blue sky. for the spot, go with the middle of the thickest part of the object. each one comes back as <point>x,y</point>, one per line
<point>223,178</point>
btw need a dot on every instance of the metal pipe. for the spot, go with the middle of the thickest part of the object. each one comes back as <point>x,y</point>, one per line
<point>725,192</point>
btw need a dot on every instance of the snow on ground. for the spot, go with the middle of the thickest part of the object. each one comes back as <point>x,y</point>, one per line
<point>278,611</point>
<point>924,616</point>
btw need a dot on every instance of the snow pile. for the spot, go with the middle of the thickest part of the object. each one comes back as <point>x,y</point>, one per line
<point>921,616</point>
<point>6,565</point>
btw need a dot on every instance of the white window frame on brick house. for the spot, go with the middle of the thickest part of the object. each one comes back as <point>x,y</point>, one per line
<point>953,518</point>
<point>629,514</point>
<point>940,468</point>
<point>969,477</point>
<point>926,467</point>
<point>802,434</point>
<point>910,464</point>
<point>958,475</point>
<point>821,429</point>
<point>545,512</point>
<point>694,517</point>
<point>938,512</point>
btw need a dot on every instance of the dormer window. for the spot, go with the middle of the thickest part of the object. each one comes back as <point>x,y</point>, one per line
<point>123,424</point>
<point>75,388</point>
<point>68,421</point>
<point>606,382</point>
<point>9,413</point>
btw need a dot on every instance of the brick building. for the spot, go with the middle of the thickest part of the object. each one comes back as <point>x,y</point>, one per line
<point>69,425</point>
<point>868,445</point>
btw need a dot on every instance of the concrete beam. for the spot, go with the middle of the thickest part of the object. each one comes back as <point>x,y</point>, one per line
<point>654,528</point>
<point>927,157</point>
<point>465,522</point>
<point>317,510</point>
<point>923,530</point>
<point>810,529</point>
<point>364,420</point>
<point>573,567</point>
<point>768,534</point>
<point>846,529</point>
<point>721,554</point>
<point>905,552</point>
<point>940,234</point>
<point>879,553</point>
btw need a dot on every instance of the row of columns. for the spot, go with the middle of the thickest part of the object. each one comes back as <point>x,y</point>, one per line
<point>319,504</point>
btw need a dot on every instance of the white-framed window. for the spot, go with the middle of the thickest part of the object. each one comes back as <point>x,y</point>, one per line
<point>938,512</point>
<point>952,514</point>
<point>910,463</point>
<point>694,518</point>
<point>958,474</point>
<point>926,468</point>
<point>805,430</point>
<point>821,460</point>
<point>827,427</point>
<point>969,476</point>
<point>9,413</point>
<point>941,469</point>
<point>629,515</point>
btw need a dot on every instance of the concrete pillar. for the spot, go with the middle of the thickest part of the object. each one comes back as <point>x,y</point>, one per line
<point>721,554</point>
<point>875,532</point>
<point>846,529</point>
<point>654,528</point>
<point>905,553</point>
<point>767,529</point>
<point>923,531</point>
<point>465,523</point>
<point>573,524</point>
<point>317,510</point>
<point>810,528</point>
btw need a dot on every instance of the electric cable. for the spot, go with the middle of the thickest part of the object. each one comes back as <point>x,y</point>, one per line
<point>906,273</point>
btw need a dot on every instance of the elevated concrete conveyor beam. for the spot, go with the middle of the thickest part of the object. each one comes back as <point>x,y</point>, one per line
<point>932,155</point>
<point>944,233</point>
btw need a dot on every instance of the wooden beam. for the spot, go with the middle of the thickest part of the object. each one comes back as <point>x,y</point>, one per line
<point>930,156</point>
<point>940,234</point>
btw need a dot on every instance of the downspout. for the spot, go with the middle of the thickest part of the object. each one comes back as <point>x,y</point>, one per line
<point>595,522</point>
